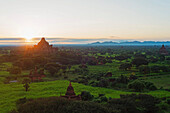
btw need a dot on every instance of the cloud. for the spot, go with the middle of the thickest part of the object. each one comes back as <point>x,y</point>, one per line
<point>22,41</point>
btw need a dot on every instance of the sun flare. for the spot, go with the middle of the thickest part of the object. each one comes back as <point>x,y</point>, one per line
<point>28,39</point>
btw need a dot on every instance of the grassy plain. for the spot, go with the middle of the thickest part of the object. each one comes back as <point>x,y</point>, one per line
<point>159,81</point>
<point>14,91</point>
<point>10,93</point>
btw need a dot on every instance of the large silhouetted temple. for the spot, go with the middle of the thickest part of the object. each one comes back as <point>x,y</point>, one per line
<point>43,47</point>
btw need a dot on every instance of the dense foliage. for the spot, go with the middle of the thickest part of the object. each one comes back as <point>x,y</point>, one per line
<point>132,103</point>
<point>105,71</point>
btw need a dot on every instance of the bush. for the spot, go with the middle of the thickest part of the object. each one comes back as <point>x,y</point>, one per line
<point>141,85</point>
<point>139,61</point>
<point>27,63</point>
<point>150,86</point>
<point>163,106</point>
<point>168,101</point>
<point>133,103</point>
<point>157,69</point>
<point>52,68</point>
<point>137,85</point>
<point>60,105</point>
<point>15,70</point>
<point>144,69</point>
<point>125,66</point>
<point>122,79</point>
<point>103,99</point>
<point>103,83</point>
<point>86,96</point>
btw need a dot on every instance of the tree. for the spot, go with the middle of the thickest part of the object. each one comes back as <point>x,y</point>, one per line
<point>39,60</point>
<point>144,69</point>
<point>15,70</point>
<point>26,83</point>
<point>150,86</point>
<point>122,79</point>
<point>69,67</point>
<point>60,105</point>
<point>139,61</point>
<point>86,96</point>
<point>125,66</point>
<point>162,57</point>
<point>137,85</point>
<point>155,69</point>
<point>64,68</point>
<point>92,62</point>
<point>103,83</point>
<point>52,68</point>
<point>103,98</point>
<point>27,63</point>
<point>122,57</point>
<point>158,68</point>
<point>133,103</point>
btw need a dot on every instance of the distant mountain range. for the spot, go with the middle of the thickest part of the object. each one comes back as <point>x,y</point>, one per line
<point>132,43</point>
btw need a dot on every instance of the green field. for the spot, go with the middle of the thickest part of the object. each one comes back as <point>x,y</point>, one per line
<point>57,85</point>
<point>159,81</point>
<point>14,91</point>
<point>109,67</point>
<point>10,93</point>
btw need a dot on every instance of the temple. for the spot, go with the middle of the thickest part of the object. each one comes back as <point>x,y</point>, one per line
<point>70,94</point>
<point>163,50</point>
<point>35,76</point>
<point>43,47</point>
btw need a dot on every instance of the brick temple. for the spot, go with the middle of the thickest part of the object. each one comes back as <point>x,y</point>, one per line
<point>163,50</point>
<point>35,76</point>
<point>43,47</point>
<point>70,94</point>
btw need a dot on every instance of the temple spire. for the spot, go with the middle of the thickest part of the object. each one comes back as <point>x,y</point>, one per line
<point>163,50</point>
<point>70,84</point>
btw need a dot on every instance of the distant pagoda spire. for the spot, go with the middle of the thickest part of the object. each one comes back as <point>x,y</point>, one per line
<point>163,50</point>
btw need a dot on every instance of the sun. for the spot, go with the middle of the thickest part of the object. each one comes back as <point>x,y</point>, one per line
<point>28,38</point>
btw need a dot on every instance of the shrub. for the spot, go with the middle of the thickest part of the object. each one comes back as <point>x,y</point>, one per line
<point>122,79</point>
<point>103,99</point>
<point>103,83</point>
<point>168,101</point>
<point>137,85</point>
<point>144,69</point>
<point>15,70</point>
<point>125,66</point>
<point>150,86</point>
<point>139,61</point>
<point>157,69</point>
<point>60,105</point>
<point>86,96</point>
<point>133,103</point>
<point>163,106</point>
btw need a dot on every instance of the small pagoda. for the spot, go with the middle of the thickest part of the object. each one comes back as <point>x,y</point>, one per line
<point>70,94</point>
<point>163,50</point>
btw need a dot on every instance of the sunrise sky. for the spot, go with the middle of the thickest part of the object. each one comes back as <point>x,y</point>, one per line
<point>85,19</point>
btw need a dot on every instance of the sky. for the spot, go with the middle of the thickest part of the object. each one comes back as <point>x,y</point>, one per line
<point>85,19</point>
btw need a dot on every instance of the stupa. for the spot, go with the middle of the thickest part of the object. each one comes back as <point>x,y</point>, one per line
<point>70,94</point>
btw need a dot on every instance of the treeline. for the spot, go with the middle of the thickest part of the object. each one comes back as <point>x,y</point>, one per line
<point>131,103</point>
